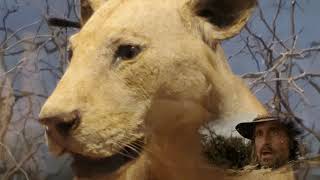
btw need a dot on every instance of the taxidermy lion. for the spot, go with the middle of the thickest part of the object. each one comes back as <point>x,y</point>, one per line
<point>144,77</point>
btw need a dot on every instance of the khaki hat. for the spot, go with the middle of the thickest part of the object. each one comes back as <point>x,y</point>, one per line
<point>246,129</point>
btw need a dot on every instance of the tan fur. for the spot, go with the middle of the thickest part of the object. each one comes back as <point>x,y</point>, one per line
<point>179,82</point>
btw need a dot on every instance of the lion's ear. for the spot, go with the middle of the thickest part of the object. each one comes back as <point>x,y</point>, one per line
<point>88,7</point>
<point>227,17</point>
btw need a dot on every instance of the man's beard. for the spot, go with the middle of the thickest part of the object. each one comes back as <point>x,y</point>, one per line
<point>274,162</point>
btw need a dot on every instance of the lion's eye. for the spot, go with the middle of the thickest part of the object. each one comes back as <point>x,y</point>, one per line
<point>127,52</point>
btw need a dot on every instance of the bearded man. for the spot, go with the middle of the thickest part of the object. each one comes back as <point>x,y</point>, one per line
<point>274,140</point>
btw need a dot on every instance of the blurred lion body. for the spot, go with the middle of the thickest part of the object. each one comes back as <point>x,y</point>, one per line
<point>178,82</point>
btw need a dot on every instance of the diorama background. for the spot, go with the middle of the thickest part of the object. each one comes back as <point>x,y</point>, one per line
<point>277,53</point>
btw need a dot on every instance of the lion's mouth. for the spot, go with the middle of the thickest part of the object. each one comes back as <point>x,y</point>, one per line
<point>85,166</point>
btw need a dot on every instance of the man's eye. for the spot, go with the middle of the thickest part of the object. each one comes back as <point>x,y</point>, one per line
<point>126,52</point>
<point>258,134</point>
<point>275,132</point>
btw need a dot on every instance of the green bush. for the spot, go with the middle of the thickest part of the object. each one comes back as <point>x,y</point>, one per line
<point>231,152</point>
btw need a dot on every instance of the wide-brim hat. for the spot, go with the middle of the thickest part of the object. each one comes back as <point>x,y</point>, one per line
<point>246,129</point>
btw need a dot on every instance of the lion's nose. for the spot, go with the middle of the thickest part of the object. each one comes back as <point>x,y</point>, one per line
<point>62,123</point>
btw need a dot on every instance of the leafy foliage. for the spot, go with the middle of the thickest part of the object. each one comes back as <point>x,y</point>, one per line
<point>227,152</point>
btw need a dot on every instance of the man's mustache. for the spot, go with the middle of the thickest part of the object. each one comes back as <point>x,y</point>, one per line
<point>266,148</point>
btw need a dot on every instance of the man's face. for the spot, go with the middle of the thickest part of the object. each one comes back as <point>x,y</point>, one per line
<point>272,144</point>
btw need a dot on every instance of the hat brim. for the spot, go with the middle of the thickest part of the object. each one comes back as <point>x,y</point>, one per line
<point>246,129</point>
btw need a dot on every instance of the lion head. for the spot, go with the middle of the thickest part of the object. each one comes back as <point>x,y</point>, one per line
<point>129,55</point>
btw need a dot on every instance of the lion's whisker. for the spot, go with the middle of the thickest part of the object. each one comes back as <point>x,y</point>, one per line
<point>123,153</point>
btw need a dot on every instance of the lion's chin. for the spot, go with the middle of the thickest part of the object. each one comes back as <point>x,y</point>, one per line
<point>84,166</point>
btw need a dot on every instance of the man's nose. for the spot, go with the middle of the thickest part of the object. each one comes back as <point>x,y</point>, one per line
<point>266,139</point>
<point>62,123</point>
